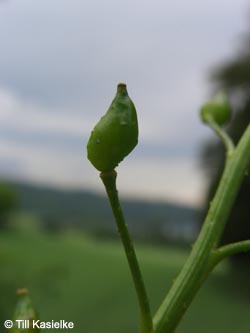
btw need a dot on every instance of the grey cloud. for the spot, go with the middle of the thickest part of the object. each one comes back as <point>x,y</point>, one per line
<point>68,53</point>
<point>11,168</point>
<point>64,58</point>
<point>60,143</point>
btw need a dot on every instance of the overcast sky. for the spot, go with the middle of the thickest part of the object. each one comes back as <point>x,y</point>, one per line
<point>60,62</point>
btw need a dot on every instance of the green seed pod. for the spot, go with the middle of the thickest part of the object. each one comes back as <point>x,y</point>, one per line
<point>25,314</point>
<point>218,109</point>
<point>116,133</point>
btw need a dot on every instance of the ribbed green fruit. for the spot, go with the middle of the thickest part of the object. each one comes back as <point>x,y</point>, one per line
<point>24,311</point>
<point>116,133</point>
<point>218,109</point>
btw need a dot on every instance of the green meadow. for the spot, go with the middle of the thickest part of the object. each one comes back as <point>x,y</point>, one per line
<point>76,278</point>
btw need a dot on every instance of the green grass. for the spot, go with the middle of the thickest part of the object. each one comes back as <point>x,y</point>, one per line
<point>78,279</point>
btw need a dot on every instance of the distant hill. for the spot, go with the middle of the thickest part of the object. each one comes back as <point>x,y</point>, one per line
<point>80,209</point>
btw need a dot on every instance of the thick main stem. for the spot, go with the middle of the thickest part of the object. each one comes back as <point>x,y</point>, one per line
<point>197,265</point>
<point>109,180</point>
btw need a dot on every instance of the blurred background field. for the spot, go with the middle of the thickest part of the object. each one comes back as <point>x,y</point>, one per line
<point>86,281</point>
<point>60,63</point>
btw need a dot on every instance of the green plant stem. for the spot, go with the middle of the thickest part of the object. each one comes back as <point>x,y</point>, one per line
<point>109,180</point>
<point>227,250</point>
<point>225,138</point>
<point>198,265</point>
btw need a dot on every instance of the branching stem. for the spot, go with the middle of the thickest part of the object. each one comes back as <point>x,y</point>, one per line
<point>198,265</point>
<point>227,250</point>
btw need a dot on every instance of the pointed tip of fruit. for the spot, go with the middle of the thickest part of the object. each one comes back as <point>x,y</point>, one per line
<point>122,84</point>
<point>122,89</point>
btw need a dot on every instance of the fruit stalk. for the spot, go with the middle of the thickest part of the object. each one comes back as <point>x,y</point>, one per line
<point>109,181</point>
